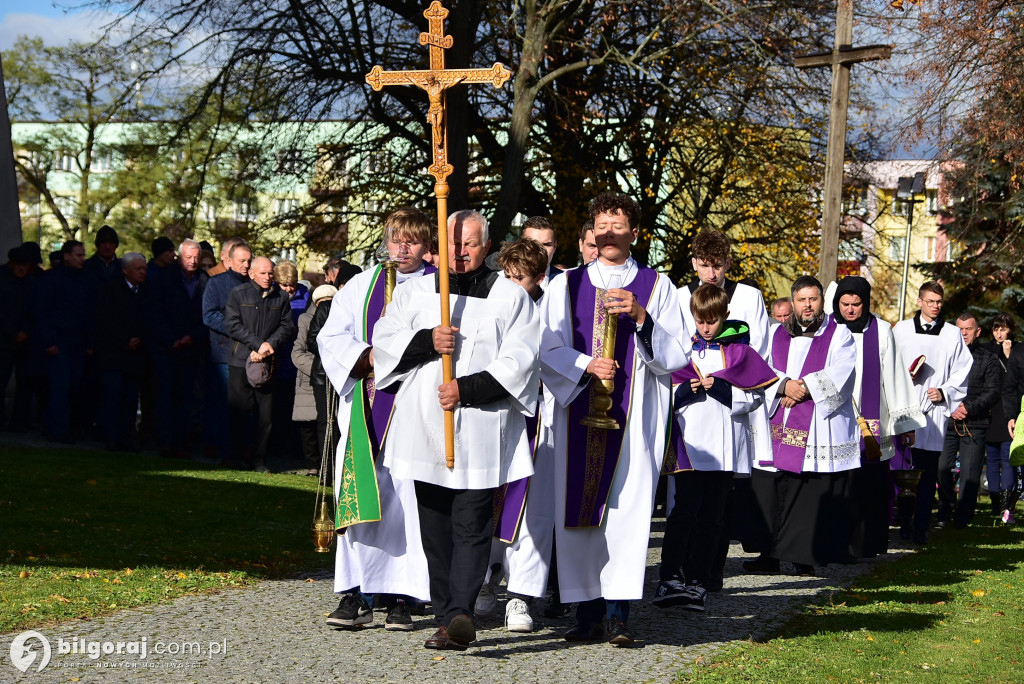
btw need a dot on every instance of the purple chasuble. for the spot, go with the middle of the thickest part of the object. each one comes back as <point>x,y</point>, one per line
<point>380,402</point>
<point>744,369</point>
<point>593,453</point>
<point>789,436</point>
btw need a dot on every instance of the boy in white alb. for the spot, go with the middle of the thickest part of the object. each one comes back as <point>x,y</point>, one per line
<point>715,401</point>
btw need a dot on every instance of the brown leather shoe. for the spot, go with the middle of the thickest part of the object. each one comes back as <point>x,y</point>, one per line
<point>461,630</point>
<point>439,640</point>
<point>442,641</point>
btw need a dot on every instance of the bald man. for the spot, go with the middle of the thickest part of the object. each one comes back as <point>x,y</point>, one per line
<point>258,320</point>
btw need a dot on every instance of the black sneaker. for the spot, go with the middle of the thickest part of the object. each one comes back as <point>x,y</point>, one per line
<point>352,611</point>
<point>695,598</point>
<point>670,593</point>
<point>617,632</point>
<point>399,619</point>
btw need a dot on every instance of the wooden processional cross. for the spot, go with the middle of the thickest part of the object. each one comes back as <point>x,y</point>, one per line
<point>436,80</point>
<point>842,56</point>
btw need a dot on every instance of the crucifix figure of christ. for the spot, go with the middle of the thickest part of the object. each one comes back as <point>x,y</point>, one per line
<point>840,59</point>
<point>435,81</point>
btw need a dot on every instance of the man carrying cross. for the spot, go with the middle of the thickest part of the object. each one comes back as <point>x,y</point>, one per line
<point>493,339</point>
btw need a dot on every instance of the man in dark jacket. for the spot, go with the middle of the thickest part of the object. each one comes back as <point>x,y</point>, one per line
<point>64,334</point>
<point>18,282</point>
<point>178,344</point>
<point>258,318</point>
<point>966,428</point>
<point>120,352</point>
<point>103,266</point>
<point>215,298</point>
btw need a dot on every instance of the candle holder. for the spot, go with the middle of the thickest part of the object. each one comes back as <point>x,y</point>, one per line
<point>601,391</point>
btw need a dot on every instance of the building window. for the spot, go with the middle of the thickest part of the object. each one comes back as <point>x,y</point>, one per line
<point>855,201</point>
<point>378,161</point>
<point>245,211</point>
<point>209,212</point>
<point>929,249</point>
<point>897,247</point>
<point>65,205</point>
<point>287,205</point>
<point>932,201</point>
<point>64,161</point>
<point>102,162</point>
<point>289,161</point>
<point>851,248</point>
<point>899,207</point>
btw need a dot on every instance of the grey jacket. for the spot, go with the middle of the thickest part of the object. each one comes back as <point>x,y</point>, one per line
<point>304,408</point>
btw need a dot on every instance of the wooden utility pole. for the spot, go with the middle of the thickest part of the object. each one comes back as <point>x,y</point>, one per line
<point>436,80</point>
<point>842,56</point>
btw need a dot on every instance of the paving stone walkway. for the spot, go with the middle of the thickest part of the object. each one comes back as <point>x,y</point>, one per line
<point>275,632</point>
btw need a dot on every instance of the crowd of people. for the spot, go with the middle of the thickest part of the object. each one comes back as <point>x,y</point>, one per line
<point>523,437</point>
<point>163,352</point>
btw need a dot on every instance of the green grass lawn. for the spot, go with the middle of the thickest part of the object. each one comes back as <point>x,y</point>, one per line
<point>953,612</point>
<point>85,533</point>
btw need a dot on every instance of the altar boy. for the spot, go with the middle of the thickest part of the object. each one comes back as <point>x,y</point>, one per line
<point>715,398</point>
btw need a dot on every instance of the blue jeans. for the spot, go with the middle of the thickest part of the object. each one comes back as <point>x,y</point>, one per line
<point>997,466</point>
<point>597,610</point>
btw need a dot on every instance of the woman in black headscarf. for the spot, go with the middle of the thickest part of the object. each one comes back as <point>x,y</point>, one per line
<point>853,285</point>
<point>884,397</point>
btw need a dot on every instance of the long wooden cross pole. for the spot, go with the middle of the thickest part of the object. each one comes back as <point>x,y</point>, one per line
<point>842,56</point>
<point>436,80</point>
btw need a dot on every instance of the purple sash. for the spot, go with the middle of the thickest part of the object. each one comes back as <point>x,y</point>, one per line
<point>510,498</point>
<point>789,436</point>
<point>744,369</point>
<point>593,453</point>
<point>381,402</point>
<point>871,384</point>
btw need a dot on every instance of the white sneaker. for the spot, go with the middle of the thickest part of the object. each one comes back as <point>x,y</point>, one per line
<point>517,616</point>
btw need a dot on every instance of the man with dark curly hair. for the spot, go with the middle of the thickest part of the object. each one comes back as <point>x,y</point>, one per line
<point>605,478</point>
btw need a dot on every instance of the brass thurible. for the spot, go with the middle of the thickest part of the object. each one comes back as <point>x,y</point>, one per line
<point>601,391</point>
<point>323,529</point>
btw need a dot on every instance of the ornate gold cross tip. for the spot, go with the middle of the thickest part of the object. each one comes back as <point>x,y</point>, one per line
<point>435,81</point>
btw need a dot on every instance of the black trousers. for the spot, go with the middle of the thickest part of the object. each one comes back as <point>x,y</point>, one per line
<point>928,462</point>
<point>971,448</point>
<point>320,397</point>
<point>456,527</point>
<point>245,401</point>
<point>696,524</point>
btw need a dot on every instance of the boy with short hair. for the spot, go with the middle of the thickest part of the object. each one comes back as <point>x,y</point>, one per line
<point>716,395</point>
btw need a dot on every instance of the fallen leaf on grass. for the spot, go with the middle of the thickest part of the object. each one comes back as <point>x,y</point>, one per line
<point>999,613</point>
<point>60,599</point>
<point>978,592</point>
<point>977,641</point>
<point>90,482</point>
<point>438,658</point>
<point>310,580</point>
<point>24,574</point>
